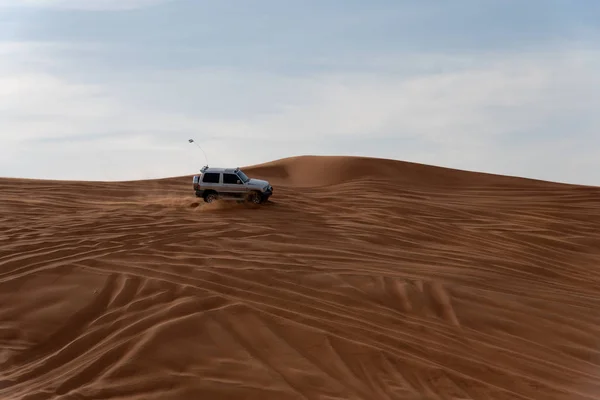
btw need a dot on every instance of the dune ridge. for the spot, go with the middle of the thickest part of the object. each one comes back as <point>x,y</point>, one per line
<point>361,279</point>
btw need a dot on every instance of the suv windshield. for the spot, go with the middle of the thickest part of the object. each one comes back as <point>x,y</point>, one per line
<point>243,176</point>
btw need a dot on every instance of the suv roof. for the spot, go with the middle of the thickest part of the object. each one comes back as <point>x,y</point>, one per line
<point>218,170</point>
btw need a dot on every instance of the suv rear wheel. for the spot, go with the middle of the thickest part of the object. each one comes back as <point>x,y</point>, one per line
<point>210,197</point>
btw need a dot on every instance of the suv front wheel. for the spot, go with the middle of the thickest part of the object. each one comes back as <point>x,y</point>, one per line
<point>255,197</point>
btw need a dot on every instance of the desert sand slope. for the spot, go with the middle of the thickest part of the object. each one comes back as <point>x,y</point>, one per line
<point>363,279</point>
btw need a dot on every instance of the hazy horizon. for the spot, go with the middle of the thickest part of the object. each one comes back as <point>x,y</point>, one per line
<point>113,90</point>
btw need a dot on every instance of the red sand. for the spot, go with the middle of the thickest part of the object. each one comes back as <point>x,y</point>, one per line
<point>362,279</point>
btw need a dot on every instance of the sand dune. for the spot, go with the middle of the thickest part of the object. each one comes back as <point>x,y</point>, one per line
<point>361,279</point>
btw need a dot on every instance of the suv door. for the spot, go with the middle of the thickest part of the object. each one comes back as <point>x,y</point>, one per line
<point>210,180</point>
<point>232,184</point>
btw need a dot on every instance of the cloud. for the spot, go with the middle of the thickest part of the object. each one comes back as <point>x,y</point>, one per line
<point>87,5</point>
<point>521,114</point>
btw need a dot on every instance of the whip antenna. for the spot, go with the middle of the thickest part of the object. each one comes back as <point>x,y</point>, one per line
<point>206,158</point>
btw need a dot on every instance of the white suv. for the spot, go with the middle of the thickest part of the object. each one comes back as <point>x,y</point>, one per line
<point>230,184</point>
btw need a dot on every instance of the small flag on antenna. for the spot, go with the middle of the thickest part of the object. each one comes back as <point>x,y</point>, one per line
<point>190,140</point>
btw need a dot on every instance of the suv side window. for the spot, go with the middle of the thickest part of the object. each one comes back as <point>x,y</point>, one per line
<point>211,177</point>
<point>230,178</point>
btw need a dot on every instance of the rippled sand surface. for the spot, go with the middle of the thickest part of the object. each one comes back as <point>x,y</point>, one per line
<point>360,279</point>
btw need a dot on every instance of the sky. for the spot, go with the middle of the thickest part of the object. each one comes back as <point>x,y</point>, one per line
<point>113,89</point>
